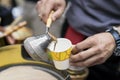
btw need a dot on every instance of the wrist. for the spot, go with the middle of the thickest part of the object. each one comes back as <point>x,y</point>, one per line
<point>116,35</point>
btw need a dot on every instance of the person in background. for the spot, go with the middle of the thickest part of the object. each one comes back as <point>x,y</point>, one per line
<point>6,16</point>
<point>6,19</point>
<point>90,28</point>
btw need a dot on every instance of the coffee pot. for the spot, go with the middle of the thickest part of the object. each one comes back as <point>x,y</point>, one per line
<point>36,46</point>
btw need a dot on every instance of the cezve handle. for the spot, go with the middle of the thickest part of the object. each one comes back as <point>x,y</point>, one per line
<point>49,20</point>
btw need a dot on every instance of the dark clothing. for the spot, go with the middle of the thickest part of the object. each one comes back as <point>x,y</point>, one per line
<point>106,71</point>
<point>93,16</point>
<point>6,16</point>
<point>32,0</point>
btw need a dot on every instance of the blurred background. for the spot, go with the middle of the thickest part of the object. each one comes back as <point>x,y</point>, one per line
<point>13,12</point>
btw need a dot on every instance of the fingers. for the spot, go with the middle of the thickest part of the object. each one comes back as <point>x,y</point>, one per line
<point>46,10</point>
<point>83,55</point>
<point>84,45</point>
<point>92,51</point>
<point>10,40</point>
<point>38,6</point>
<point>57,13</point>
<point>44,7</point>
<point>94,60</point>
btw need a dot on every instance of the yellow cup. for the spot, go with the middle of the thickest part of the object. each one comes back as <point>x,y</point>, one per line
<point>60,53</point>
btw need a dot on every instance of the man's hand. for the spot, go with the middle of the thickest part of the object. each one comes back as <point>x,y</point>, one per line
<point>44,7</point>
<point>92,51</point>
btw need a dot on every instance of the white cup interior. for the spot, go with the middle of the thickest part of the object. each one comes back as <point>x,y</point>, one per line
<point>62,45</point>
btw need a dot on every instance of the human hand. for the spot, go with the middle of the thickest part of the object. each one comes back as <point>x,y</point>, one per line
<point>44,7</point>
<point>92,51</point>
<point>10,40</point>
